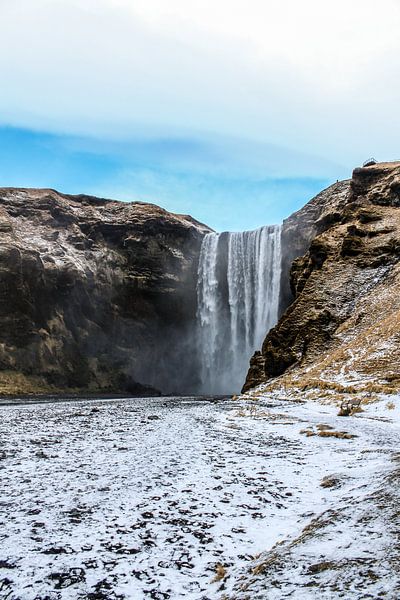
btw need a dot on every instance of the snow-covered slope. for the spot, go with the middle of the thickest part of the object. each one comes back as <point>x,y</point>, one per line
<point>183,498</point>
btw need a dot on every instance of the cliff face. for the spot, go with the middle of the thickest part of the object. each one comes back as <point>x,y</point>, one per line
<point>94,294</point>
<point>303,226</point>
<point>341,330</point>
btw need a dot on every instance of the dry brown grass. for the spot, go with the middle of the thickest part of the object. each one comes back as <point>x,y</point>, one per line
<point>369,387</point>
<point>309,531</point>
<point>320,384</point>
<point>253,412</point>
<point>330,481</point>
<point>341,435</point>
<point>300,386</point>
<point>220,573</point>
<point>263,566</point>
<point>14,383</point>
<point>325,431</point>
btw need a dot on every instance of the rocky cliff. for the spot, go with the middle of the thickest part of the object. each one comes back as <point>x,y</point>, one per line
<point>303,226</point>
<point>95,294</point>
<point>341,331</point>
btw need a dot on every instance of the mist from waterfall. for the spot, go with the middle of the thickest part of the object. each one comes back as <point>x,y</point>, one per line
<point>238,297</point>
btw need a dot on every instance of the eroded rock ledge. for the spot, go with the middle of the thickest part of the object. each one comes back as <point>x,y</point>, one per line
<point>342,327</point>
<point>94,294</point>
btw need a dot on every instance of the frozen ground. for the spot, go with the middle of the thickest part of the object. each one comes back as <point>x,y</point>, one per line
<point>145,498</point>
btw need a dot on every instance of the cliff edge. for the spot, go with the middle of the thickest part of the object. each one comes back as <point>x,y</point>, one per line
<point>340,333</point>
<point>94,294</point>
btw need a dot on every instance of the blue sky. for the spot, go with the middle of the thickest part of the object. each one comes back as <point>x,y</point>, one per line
<point>206,180</point>
<point>235,112</point>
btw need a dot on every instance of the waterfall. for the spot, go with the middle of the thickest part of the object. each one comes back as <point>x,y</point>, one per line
<point>237,303</point>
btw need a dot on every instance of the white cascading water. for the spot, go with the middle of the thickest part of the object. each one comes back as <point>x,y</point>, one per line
<point>237,303</point>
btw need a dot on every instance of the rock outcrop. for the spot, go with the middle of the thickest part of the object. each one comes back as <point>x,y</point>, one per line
<point>303,226</point>
<point>95,294</point>
<point>341,330</point>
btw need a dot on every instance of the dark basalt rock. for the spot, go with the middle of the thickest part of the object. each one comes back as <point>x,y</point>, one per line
<point>95,294</point>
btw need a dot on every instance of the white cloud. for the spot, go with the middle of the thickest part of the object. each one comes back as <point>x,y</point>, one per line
<point>315,76</point>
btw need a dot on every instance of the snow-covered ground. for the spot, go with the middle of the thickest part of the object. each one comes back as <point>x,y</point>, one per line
<point>145,498</point>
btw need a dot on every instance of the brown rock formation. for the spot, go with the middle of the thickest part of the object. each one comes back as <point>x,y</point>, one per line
<point>303,226</point>
<point>94,294</point>
<point>342,327</point>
